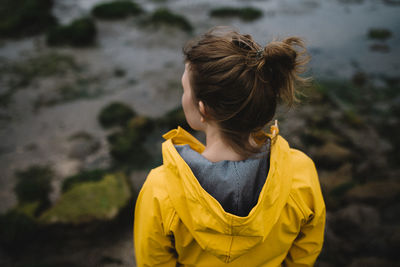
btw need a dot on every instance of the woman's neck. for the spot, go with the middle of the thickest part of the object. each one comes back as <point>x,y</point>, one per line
<point>216,149</point>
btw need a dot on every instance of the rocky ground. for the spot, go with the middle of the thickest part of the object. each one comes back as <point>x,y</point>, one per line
<point>356,158</point>
<point>358,175</point>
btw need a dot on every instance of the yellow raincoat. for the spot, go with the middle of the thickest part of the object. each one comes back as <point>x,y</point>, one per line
<point>178,223</point>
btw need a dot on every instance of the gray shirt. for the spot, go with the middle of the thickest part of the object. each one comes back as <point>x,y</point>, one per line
<point>236,185</point>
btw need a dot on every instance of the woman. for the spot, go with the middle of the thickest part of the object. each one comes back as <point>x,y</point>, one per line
<point>245,198</point>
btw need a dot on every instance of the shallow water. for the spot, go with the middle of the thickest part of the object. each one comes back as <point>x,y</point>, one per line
<point>335,31</point>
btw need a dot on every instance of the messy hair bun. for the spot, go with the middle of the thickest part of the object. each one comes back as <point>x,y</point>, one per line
<point>241,82</point>
<point>281,65</point>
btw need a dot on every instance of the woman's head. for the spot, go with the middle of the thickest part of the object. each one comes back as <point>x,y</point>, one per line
<point>190,106</point>
<point>239,83</point>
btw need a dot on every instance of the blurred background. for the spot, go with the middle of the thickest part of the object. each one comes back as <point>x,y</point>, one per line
<point>88,87</point>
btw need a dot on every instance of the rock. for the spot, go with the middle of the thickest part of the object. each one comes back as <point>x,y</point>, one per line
<point>357,217</point>
<point>394,239</point>
<point>321,263</point>
<point>245,13</point>
<point>47,98</point>
<point>353,119</point>
<point>29,209</point>
<point>351,1</point>
<point>173,119</point>
<point>164,16</point>
<point>86,202</point>
<point>357,231</point>
<point>34,184</point>
<point>391,236</point>
<point>384,48</point>
<point>68,167</point>
<point>391,213</point>
<point>331,155</point>
<point>359,78</point>
<point>374,192</point>
<point>372,150</point>
<point>392,2</point>
<point>334,179</point>
<point>94,175</point>
<point>313,135</point>
<point>31,147</point>
<point>367,140</point>
<point>26,18</point>
<point>371,262</point>
<point>334,185</point>
<point>116,10</point>
<point>80,32</point>
<point>137,179</point>
<point>141,124</point>
<point>100,160</point>
<point>336,242</point>
<point>115,114</point>
<point>331,240</point>
<point>17,228</point>
<point>83,145</point>
<point>315,115</point>
<point>379,33</point>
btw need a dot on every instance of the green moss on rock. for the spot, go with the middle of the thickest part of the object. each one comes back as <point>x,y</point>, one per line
<point>141,124</point>
<point>25,17</point>
<point>379,33</point>
<point>127,144</point>
<point>111,260</point>
<point>174,118</point>
<point>43,65</point>
<point>127,147</point>
<point>90,201</point>
<point>16,227</point>
<point>245,13</point>
<point>34,184</point>
<point>29,209</point>
<point>56,264</point>
<point>119,72</point>
<point>83,177</point>
<point>340,190</point>
<point>80,32</point>
<point>116,10</point>
<point>164,16</point>
<point>115,114</point>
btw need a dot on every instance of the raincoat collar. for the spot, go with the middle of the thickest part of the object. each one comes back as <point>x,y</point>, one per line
<point>225,235</point>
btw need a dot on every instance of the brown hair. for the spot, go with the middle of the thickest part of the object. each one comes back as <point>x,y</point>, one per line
<point>241,82</point>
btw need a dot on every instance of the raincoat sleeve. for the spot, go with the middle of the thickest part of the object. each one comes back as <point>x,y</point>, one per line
<point>308,244</point>
<point>153,245</point>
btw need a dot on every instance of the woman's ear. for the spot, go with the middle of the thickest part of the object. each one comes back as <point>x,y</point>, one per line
<point>202,110</point>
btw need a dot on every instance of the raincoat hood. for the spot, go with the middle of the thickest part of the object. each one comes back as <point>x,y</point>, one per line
<point>223,234</point>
